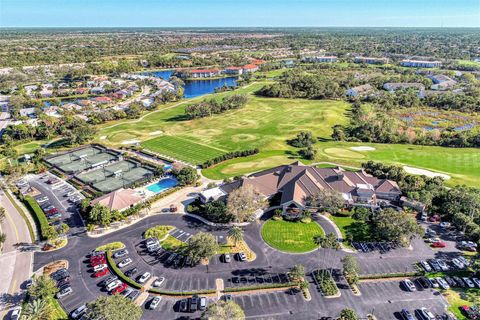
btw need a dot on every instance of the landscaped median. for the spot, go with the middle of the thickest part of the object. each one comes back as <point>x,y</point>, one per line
<point>119,273</point>
<point>38,214</point>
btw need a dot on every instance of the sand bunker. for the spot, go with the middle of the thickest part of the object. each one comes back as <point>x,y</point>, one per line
<point>103,137</point>
<point>363,148</point>
<point>130,141</point>
<point>424,172</point>
<point>155,133</point>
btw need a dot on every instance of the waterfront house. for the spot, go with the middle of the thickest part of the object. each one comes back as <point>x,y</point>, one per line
<point>250,68</point>
<point>233,70</point>
<point>420,63</point>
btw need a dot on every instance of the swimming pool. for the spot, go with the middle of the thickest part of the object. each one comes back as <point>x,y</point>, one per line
<point>162,185</point>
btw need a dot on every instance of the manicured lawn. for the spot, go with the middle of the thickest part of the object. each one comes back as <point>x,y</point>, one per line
<point>183,149</point>
<point>294,237</point>
<point>454,298</point>
<point>172,243</point>
<point>352,229</point>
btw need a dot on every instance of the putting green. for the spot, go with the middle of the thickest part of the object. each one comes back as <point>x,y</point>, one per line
<point>292,237</point>
<point>343,153</point>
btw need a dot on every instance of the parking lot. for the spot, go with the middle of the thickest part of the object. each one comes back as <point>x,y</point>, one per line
<point>58,194</point>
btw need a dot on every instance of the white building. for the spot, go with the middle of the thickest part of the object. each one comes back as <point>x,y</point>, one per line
<point>420,63</point>
<point>320,59</point>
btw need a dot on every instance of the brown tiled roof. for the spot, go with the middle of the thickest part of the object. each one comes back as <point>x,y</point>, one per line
<point>118,200</point>
<point>297,181</point>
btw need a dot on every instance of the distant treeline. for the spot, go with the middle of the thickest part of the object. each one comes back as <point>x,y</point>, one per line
<point>210,107</point>
<point>228,156</point>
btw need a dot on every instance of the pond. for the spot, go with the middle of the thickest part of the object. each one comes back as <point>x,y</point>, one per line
<point>196,88</point>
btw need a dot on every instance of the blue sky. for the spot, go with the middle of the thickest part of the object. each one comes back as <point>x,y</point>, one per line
<point>239,13</point>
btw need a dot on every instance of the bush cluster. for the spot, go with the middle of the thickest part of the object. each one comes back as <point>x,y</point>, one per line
<point>228,156</point>
<point>325,282</point>
<point>211,107</point>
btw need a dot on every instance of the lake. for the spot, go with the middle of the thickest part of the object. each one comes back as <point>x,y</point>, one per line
<point>196,88</point>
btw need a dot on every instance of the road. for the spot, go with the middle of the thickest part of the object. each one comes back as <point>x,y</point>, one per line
<point>16,264</point>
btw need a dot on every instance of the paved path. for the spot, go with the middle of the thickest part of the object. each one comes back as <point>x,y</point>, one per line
<point>16,264</point>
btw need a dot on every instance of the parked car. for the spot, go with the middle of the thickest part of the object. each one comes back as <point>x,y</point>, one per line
<point>95,253</point>
<point>133,295</point>
<point>144,277</point>
<point>193,305</point>
<point>425,314</point>
<point>406,315</point>
<point>445,225</point>
<point>409,285</point>
<point>424,282</point>
<point>476,281</point>
<point>101,273</point>
<point>435,265</point>
<point>130,272</point>
<point>426,266</point>
<point>443,284</point>
<point>227,258</point>
<point>124,263</point>
<point>99,267</point>
<point>469,282</point>
<point>158,282</point>
<point>434,218</point>
<point>463,260</point>
<point>228,297</point>
<point>154,303</point>
<point>119,289</point>
<point>242,256</point>
<point>64,292</point>
<point>459,281</point>
<point>108,280</point>
<point>112,285</point>
<point>120,253</point>
<point>467,311</point>
<point>183,307</point>
<point>151,241</point>
<point>100,257</point>
<point>458,264</point>
<point>97,262</point>
<point>127,291</point>
<point>434,283</point>
<point>443,265</point>
<point>79,311</point>
<point>450,281</point>
<point>439,244</point>
<point>202,305</point>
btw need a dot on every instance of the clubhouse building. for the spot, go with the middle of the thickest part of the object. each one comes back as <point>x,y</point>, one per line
<point>295,182</point>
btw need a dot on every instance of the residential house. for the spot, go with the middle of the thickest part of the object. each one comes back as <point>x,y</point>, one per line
<point>233,70</point>
<point>28,112</point>
<point>250,68</point>
<point>203,73</point>
<point>118,200</point>
<point>420,63</point>
<point>442,82</point>
<point>81,90</point>
<point>4,103</point>
<point>395,86</point>
<point>370,60</point>
<point>102,99</point>
<point>97,90</point>
<point>294,183</point>
<point>320,59</point>
<point>359,90</point>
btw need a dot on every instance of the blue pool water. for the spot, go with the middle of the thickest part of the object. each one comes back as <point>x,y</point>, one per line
<point>162,185</point>
<point>195,88</point>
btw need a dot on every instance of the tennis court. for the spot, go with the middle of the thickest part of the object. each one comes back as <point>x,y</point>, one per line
<point>82,159</point>
<point>116,175</point>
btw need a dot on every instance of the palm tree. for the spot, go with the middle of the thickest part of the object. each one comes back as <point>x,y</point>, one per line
<point>236,234</point>
<point>3,238</point>
<point>38,309</point>
<point>2,214</point>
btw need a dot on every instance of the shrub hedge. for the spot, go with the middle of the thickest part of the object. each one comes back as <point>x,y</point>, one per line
<point>260,287</point>
<point>37,212</point>
<point>120,274</point>
<point>183,293</point>
<point>228,156</point>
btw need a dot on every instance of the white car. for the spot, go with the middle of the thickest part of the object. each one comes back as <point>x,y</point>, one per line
<point>445,225</point>
<point>154,303</point>
<point>120,253</point>
<point>64,292</point>
<point>426,314</point>
<point>469,282</point>
<point>458,264</point>
<point>464,261</point>
<point>151,241</point>
<point>426,266</point>
<point>124,263</point>
<point>477,281</point>
<point>443,265</point>
<point>99,267</point>
<point>158,282</point>
<point>144,277</point>
<point>242,256</point>
<point>113,285</point>
<point>79,311</point>
<point>16,313</point>
<point>409,285</point>
<point>443,284</point>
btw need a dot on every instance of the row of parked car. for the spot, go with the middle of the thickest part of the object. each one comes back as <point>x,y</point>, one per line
<point>424,314</point>
<point>472,313</point>
<point>438,265</point>
<point>62,279</point>
<point>445,282</point>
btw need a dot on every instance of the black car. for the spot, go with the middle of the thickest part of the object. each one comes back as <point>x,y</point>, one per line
<point>459,281</point>
<point>194,303</point>
<point>183,305</point>
<point>228,297</point>
<point>131,272</point>
<point>133,295</point>
<point>424,282</point>
<point>450,281</point>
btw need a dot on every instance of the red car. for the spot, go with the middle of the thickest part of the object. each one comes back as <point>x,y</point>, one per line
<point>119,289</point>
<point>97,258</point>
<point>101,273</point>
<point>439,244</point>
<point>434,218</point>
<point>52,211</point>
<point>97,262</point>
